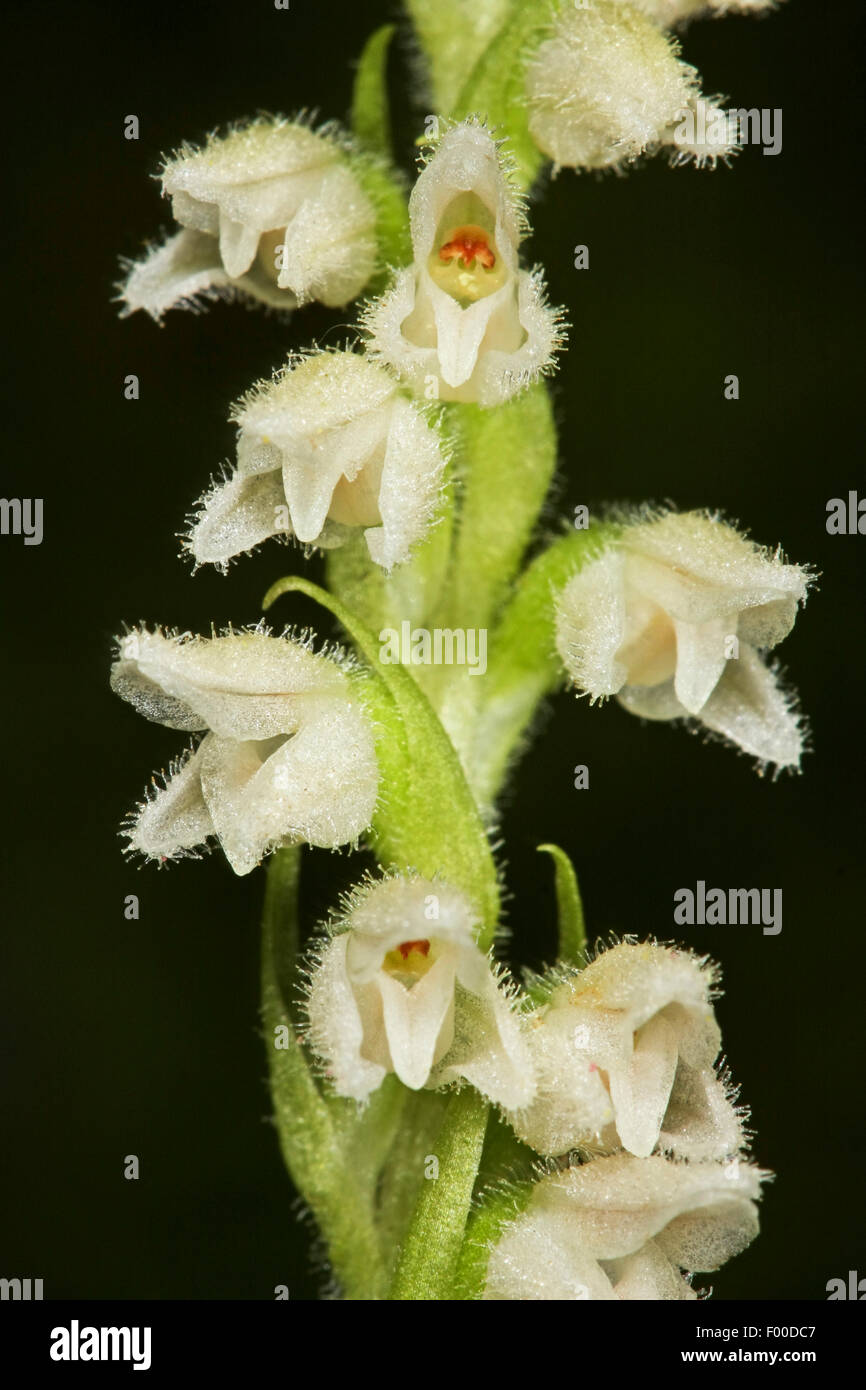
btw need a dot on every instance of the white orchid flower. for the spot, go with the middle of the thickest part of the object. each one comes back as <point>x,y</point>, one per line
<point>403,987</point>
<point>671,12</point>
<point>625,1052</point>
<point>625,1228</point>
<point>464,322</point>
<point>287,754</point>
<point>608,85</point>
<point>671,617</point>
<point>328,446</point>
<point>273,210</point>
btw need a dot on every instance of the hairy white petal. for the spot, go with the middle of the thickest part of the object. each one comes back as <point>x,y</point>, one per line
<point>330,248</point>
<point>624,1227</point>
<point>175,818</point>
<point>591,625</point>
<point>537,1259</point>
<point>237,516</point>
<point>243,686</point>
<point>750,708</point>
<point>670,12</point>
<point>700,1214</point>
<point>648,1275</point>
<point>178,272</point>
<point>337,1031</point>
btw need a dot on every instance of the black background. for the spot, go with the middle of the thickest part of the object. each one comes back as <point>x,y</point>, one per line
<point>141,1037</point>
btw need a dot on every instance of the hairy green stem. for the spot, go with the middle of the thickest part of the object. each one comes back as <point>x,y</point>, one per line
<point>309,1139</point>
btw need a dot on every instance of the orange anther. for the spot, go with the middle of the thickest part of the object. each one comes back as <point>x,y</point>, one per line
<point>468,244</point>
<point>406,946</point>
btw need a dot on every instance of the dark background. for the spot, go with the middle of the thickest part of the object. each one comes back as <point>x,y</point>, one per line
<point>141,1037</point>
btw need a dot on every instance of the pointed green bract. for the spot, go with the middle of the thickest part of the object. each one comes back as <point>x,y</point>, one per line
<point>572,929</point>
<point>431,1251</point>
<point>495,89</point>
<point>426,820</point>
<point>453,35</point>
<point>371,117</point>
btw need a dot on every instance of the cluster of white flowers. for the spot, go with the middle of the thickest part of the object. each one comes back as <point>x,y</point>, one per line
<point>620,1063</point>
<point>610,1073</point>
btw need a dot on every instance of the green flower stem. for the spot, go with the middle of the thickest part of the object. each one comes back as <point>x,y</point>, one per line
<point>309,1139</point>
<point>505,458</point>
<point>431,1251</point>
<point>524,665</point>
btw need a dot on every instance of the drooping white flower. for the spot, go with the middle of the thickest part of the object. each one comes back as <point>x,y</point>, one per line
<point>464,322</point>
<point>327,446</point>
<point>670,12</point>
<point>608,85</point>
<point>671,617</point>
<point>625,1228</point>
<point>287,754</point>
<point>402,987</point>
<point>624,1052</point>
<point>273,210</point>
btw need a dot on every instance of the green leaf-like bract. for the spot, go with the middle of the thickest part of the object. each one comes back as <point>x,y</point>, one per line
<point>572,929</point>
<point>426,820</point>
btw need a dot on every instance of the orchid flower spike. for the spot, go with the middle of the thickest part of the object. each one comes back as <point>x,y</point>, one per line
<point>274,211</point>
<point>401,986</point>
<point>287,753</point>
<point>671,618</point>
<point>464,322</point>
